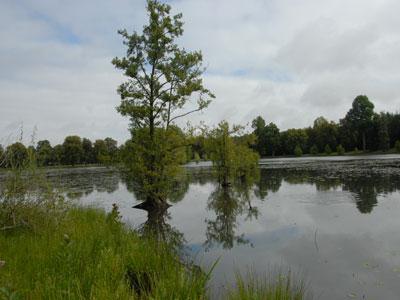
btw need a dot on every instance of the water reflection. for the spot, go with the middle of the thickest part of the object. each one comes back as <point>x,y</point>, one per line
<point>227,204</point>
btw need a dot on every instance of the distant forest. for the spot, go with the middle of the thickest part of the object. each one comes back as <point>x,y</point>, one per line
<point>360,129</point>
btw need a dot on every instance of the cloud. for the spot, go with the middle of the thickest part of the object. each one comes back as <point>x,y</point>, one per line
<point>287,61</point>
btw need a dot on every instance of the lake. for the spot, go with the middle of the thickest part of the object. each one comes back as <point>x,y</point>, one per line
<point>334,221</point>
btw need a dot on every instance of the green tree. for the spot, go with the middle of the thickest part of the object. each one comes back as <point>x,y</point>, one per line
<point>58,154</point>
<point>44,153</point>
<point>101,152</point>
<point>383,133</point>
<point>327,149</point>
<point>272,137</point>
<point>112,148</point>
<point>72,150</point>
<point>88,156</point>
<point>360,117</point>
<point>232,159</point>
<point>340,150</point>
<point>16,156</point>
<point>161,79</point>
<point>258,125</point>
<point>314,150</point>
<point>297,151</point>
<point>2,157</point>
<point>397,146</point>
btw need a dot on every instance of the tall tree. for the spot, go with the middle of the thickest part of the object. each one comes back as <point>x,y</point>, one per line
<point>161,79</point>
<point>272,137</point>
<point>16,155</point>
<point>72,150</point>
<point>360,116</point>
<point>258,125</point>
<point>383,133</point>
<point>88,151</point>
<point>44,153</point>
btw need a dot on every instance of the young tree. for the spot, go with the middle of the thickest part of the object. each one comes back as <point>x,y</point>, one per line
<point>340,150</point>
<point>231,159</point>
<point>360,116</point>
<point>161,79</point>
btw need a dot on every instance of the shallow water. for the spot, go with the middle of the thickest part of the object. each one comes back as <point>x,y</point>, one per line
<point>341,232</point>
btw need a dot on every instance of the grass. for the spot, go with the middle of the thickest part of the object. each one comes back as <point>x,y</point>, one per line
<point>277,285</point>
<point>90,255</point>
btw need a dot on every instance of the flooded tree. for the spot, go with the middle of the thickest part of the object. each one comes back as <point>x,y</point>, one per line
<point>161,79</point>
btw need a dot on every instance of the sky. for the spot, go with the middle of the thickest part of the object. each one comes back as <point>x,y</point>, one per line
<point>289,61</point>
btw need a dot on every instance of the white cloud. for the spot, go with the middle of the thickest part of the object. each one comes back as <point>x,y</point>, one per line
<point>289,61</point>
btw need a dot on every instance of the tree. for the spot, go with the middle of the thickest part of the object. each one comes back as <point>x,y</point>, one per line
<point>360,116</point>
<point>340,150</point>
<point>397,146</point>
<point>314,150</point>
<point>16,155</point>
<point>327,149</point>
<point>272,137</point>
<point>383,133</point>
<point>232,159</point>
<point>101,152</point>
<point>161,79</point>
<point>297,151</point>
<point>2,157</point>
<point>112,148</point>
<point>58,154</point>
<point>44,153</point>
<point>258,125</point>
<point>88,156</point>
<point>72,150</point>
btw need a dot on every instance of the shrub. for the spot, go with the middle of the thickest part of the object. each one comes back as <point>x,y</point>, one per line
<point>397,146</point>
<point>340,150</point>
<point>314,150</point>
<point>327,149</point>
<point>297,151</point>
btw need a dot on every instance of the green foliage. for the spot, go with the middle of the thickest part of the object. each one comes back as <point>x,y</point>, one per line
<point>327,149</point>
<point>360,116</point>
<point>90,255</point>
<point>314,150</point>
<point>88,156</point>
<point>383,133</point>
<point>292,138</point>
<point>72,150</point>
<point>2,157</point>
<point>44,153</point>
<point>279,286</point>
<point>16,156</point>
<point>231,159</point>
<point>397,146</point>
<point>162,78</point>
<point>298,151</point>
<point>196,157</point>
<point>340,150</point>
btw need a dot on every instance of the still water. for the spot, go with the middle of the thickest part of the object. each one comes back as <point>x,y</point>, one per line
<point>341,232</point>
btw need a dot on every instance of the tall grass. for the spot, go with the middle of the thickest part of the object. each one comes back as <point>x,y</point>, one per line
<point>276,285</point>
<point>91,255</point>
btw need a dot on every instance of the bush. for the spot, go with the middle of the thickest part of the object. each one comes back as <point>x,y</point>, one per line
<point>340,150</point>
<point>297,151</point>
<point>327,149</point>
<point>314,150</point>
<point>397,146</point>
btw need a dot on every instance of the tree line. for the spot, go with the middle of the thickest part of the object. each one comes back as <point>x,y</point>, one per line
<point>73,151</point>
<point>360,129</point>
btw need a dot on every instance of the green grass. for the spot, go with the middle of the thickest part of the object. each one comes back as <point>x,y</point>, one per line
<point>89,255</point>
<point>277,285</point>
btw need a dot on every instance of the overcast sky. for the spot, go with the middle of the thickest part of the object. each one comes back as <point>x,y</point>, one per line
<point>289,61</point>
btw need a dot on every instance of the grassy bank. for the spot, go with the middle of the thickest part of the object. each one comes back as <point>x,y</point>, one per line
<point>90,255</point>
